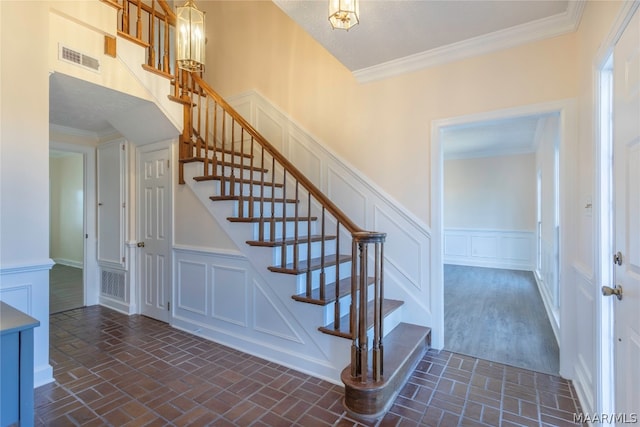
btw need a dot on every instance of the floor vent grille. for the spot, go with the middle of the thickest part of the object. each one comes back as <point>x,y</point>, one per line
<point>78,58</point>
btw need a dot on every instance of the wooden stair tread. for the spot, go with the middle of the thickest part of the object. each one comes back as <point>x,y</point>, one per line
<point>226,164</point>
<point>330,292</point>
<point>212,149</point>
<point>237,180</point>
<point>223,150</point>
<point>133,39</point>
<point>256,199</point>
<point>315,264</point>
<point>157,72</point>
<point>403,348</point>
<point>254,219</point>
<point>285,242</point>
<point>180,100</point>
<point>388,306</point>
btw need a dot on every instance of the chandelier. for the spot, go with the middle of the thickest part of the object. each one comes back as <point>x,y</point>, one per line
<point>343,14</point>
<point>190,37</point>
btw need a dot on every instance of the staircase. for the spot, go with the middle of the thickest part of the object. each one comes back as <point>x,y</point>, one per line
<point>334,263</point>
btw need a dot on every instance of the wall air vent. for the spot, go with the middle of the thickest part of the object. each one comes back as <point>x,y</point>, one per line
<point>73,56</point>
<point>112,284</point>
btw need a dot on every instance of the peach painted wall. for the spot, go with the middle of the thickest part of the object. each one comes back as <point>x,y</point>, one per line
<point>490,193</point>
<point>383,127</point>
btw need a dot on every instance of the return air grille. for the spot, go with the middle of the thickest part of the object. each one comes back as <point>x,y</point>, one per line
<point>78,58</point>
<point>112,284</point>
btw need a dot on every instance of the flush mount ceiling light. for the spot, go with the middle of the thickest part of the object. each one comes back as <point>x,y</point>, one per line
<point>343,14</point>
<point>190,37</point>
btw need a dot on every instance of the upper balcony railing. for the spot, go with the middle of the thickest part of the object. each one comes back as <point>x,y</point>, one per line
<point>151,24</point>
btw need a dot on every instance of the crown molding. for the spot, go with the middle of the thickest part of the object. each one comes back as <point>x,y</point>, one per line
<point>540,29</point>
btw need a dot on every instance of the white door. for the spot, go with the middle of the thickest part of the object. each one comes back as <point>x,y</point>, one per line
<point>626,217</point>
<point>154,236</point>
<point>111,204</point>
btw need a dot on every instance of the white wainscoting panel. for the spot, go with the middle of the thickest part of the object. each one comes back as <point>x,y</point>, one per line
<point>547,279</point>
<point>408,247</point>
<point>306,160</point>
<point>191,287</point>
<point>26,288</point>
<point>585,367</point>
<point>230,294</point>
<point>490,248</point>
<point>269,319</point>
<point>347,196</point>
<point>404,251</point>
<point>221,296</point>
<point>270,127</point>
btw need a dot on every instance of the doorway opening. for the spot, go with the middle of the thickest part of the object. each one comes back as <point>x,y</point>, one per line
<point>500,240</point>
<point>66,238</point>
<point>87,210</point>
<point>516,238</point>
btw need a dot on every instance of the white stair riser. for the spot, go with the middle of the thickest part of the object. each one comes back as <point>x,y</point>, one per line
<point>329,273</point>
<point>235,157</point>
<point>345,304</point>
<point>216,190</point>
<point>228,171</point>
<point>268,209</point>
<point>303,251</point>
<point>278,228</point>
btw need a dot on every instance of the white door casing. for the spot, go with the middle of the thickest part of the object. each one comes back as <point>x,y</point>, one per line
<point>154,216</point>
<point>626,218</point>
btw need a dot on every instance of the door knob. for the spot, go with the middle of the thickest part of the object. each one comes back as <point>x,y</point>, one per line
<point>141,244</point>
<point>608,291</point>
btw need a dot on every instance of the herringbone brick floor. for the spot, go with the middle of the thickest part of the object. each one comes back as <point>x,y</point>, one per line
<point>117,370</point>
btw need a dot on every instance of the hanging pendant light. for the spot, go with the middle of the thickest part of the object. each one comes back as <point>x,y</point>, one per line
<point>190,37</point>
<point>343,14</point>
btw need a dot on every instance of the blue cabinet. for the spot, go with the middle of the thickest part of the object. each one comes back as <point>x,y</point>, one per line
<point>16,366</point>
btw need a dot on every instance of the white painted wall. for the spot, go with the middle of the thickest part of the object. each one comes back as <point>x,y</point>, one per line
<point>67,209</point>
<point>24,169</point>
<point>547,274</point>
<point>489,211</point>
<point>490,193</point>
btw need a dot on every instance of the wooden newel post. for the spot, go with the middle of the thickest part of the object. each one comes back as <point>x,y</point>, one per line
<point>360,282</point>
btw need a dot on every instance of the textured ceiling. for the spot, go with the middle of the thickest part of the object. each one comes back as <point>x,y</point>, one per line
<point>492,138</point>
<point>391,30</point>
<point>84,106</point>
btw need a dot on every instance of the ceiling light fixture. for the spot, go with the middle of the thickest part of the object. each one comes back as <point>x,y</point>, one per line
<point>190,37</point>
<point>343,14</point>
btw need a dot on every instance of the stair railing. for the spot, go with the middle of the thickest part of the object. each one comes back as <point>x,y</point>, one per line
<point>213,129</point>
<point>151,24</point>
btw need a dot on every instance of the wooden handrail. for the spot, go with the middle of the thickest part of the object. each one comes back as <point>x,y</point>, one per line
<point>292,170</point>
